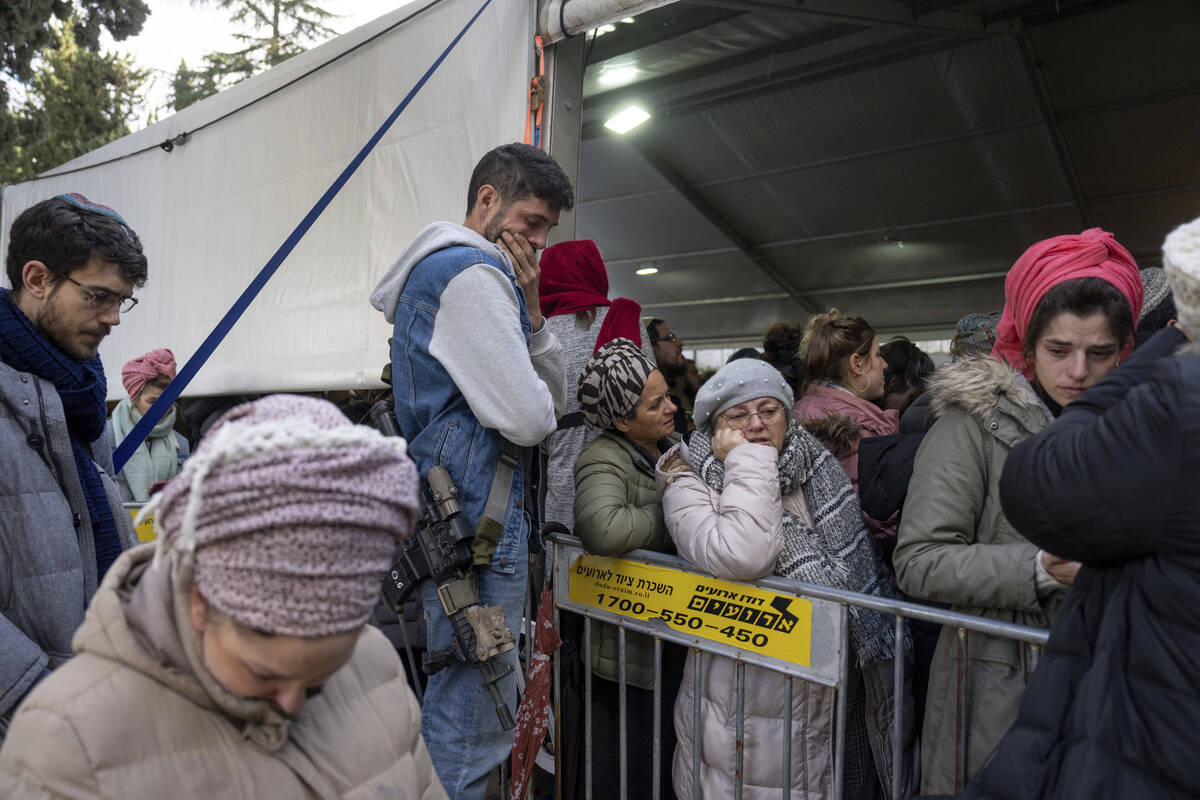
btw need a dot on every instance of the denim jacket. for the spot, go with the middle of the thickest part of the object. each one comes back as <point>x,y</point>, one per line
<point>435,417</point>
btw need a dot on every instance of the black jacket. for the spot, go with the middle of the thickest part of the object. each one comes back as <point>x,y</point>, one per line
<point>1114,708</point>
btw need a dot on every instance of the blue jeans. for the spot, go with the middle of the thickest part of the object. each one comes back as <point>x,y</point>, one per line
<point>458,716</point>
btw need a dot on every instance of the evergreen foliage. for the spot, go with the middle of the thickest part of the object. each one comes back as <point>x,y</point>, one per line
<point>277,30</point>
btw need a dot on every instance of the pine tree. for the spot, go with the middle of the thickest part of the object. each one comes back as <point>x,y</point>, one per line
<point>278,30</point>
<point>78,100</point>
<point>29,27</point>
<point>188,86</point>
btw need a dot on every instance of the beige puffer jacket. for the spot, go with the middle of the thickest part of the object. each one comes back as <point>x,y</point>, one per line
<point>136,715</point>
<point>738,535</point>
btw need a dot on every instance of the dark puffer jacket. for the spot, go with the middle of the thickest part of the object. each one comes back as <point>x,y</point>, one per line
<point>1113,708</point>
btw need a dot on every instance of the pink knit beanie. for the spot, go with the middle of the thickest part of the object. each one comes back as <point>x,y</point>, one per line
<point>292,514</point>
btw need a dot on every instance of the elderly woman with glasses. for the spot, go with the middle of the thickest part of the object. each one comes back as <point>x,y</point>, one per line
<point>624,397</point>
<point>753,495</point>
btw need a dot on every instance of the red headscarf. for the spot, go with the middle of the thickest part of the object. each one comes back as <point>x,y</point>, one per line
<point>143,369</point>
<point>1092,254</point>
<point>574,279</point>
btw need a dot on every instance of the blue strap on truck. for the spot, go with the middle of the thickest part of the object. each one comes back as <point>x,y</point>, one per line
<point>142,429</point>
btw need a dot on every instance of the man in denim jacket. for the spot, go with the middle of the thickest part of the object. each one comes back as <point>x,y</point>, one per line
<point>473,367</point>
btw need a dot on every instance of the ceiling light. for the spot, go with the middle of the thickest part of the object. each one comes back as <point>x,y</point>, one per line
<point>628,20</point>
<point>646,270</point>
<point>627,119</point>
<point>603,29</point>
<point>617,76</point>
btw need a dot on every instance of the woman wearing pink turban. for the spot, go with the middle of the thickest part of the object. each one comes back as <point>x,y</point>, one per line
<point>163,452</point>
<point>1070,307</point>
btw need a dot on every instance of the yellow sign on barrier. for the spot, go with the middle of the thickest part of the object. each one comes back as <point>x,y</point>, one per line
<point>746,617</point>
<point>145,531</point>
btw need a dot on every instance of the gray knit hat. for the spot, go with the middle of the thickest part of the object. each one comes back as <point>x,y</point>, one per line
<point>1181,262</point>
<point>735,383</point>
<point>1156,289</point>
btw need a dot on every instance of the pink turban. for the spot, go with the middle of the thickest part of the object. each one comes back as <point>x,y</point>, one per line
<point>143,369</point>
<point>293,514</point>
<point>1092,254</point>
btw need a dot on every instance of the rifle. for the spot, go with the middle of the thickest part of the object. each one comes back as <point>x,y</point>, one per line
<point>440,550</point>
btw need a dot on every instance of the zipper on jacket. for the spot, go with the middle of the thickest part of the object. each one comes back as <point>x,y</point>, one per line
<point>46,449</point>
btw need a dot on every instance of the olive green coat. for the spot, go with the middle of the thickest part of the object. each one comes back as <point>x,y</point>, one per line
<point>617,510</point>
<point>956,546</point>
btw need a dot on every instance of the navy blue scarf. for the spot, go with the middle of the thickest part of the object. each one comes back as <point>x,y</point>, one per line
<point>81,388</point>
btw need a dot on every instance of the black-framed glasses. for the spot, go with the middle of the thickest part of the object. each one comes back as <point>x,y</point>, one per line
<point>670,337</point>
<point>767,416</point>
<point>103,299</point>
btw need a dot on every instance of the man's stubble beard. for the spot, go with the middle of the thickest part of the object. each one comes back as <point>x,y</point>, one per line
<point>52,324</point>
<point>495,224</point>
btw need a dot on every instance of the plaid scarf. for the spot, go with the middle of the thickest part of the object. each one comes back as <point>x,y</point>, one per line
<point>836,551</point>
<point>81,387</point>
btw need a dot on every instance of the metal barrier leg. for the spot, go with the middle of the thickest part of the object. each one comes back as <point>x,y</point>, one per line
<point>739,743</point>
<point>898,712</point>
<point>623,722</point>
<point>530,625</point>
<point>587,708</point>
<point>656,776</point>
<point>960,714</point>
<point>839,743</point>
<point>556,665</point>
<point>787,738</point>
<point>697,738</point>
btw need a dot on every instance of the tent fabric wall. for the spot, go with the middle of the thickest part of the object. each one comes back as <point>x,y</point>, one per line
<point>213,210</point>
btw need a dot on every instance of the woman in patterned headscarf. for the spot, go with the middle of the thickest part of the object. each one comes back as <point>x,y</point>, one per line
<point>624,396</point>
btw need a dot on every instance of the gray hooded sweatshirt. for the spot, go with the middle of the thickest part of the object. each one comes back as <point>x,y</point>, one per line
<point>477,339</point>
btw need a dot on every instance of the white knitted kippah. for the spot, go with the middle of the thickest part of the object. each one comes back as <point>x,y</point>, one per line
<point>1181,262</point>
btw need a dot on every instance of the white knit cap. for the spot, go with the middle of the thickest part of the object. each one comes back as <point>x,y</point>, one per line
<point>1181,262</point>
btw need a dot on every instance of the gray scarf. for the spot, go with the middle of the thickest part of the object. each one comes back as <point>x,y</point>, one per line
<point>837,550</point>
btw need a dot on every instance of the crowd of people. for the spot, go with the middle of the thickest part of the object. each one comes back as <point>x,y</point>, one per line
<point>1040,477</point>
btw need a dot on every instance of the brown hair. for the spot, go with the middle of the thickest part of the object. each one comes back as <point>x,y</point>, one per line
<point>829,341</point>
<point>1082,297</point>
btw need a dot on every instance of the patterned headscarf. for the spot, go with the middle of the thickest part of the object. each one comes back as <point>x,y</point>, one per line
<point>292,514</point>
<point>612,382</point>
<point>1154,283</point>
<point>975,334</point>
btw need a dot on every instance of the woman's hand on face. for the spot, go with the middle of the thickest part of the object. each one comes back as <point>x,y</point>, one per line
<point>725,439</point>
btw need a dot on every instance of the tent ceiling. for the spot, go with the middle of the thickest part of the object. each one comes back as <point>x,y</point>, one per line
<point>790,151</point>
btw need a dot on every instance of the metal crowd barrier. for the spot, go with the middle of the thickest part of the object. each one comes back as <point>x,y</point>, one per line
<point>636,593</point>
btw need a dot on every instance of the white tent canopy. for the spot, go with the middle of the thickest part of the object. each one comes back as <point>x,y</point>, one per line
<point>213,209</point>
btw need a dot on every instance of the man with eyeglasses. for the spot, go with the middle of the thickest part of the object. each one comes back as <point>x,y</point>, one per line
<point>72,265</point>
<point>668,355</point>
